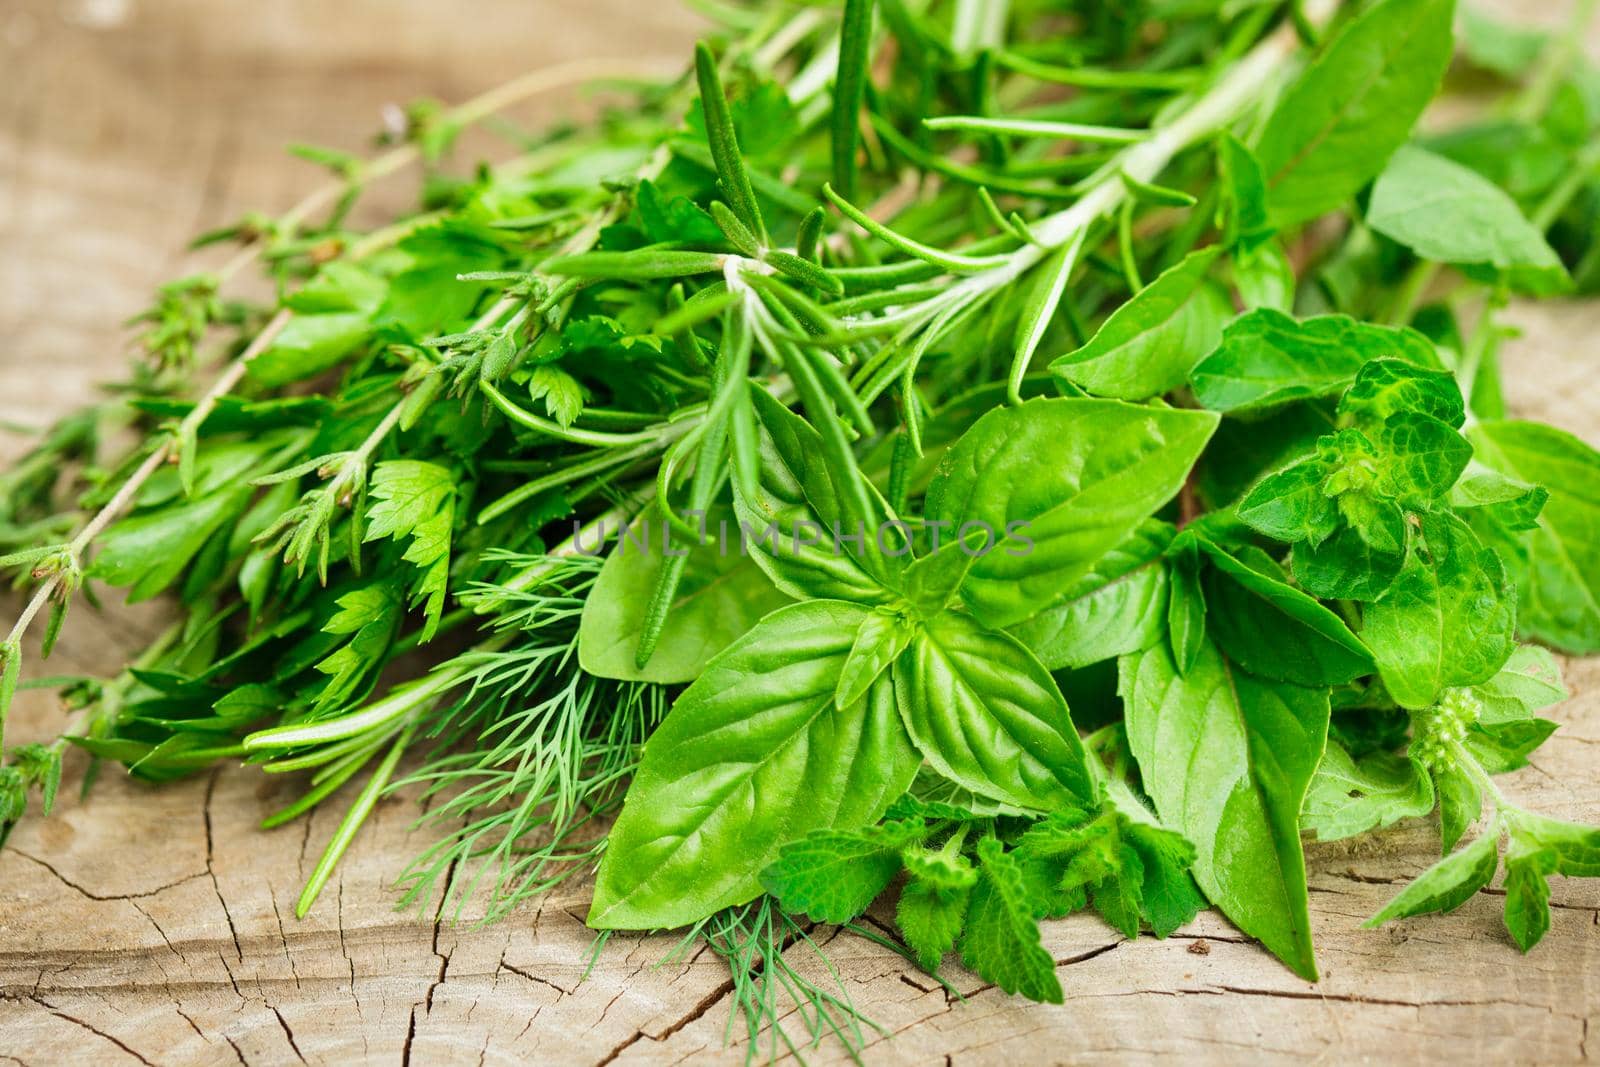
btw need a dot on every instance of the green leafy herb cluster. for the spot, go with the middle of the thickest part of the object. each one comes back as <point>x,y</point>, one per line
<point>730,495</point>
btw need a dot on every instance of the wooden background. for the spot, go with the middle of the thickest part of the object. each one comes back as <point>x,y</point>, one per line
<point>155,926</point>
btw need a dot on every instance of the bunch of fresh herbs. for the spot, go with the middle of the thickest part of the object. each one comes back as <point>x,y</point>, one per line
<point>915,367</point>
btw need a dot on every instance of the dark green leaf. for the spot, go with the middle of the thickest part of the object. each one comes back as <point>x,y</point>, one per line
<point>1001,942</point>
<point>1275,631</point>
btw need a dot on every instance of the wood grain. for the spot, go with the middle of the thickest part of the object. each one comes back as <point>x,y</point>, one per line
<point>154,925</point>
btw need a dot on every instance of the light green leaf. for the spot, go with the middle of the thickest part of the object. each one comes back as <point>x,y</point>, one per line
<point>834,875</point>
<point>1266,358</point>
<point>931,915</point>
<point>1002,936</point>
<point>1228,759</point>
<point>1447,213</point>
<point>988,716</point>
<point>1149,343</point>
<point>1117,606</point>
<point>722,594</point>
<point>1336,126</point>
<point>562,395</point>
<point>1110,466</point>
<point>1559,589</point>
<point>883,635</point>
<point>752,756</point>
<point>1447,621</point>
<point>1349,797</point>
<point>1446,885</point>
<point>417,500</point>
<point>1529,865</point>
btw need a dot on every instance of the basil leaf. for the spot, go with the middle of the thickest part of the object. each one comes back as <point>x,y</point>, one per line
<point>987,716</point>
<point>1349,797</point>
<point>722,594</point>
<point>1117,606</point>
<point>785,530</point>
<point>1111,465</point>
<point>1149,343</point>
<point>1275,631</point>
<point>1336,126</point>
<point>1186,609</point>
<point>1447,213</point>
<point>1448,620</point>
<point>1228,759</point>
<point>1267,358</point>
<point>752,756</point>
<point>1446,885</point>
<point>882,636</point>
<point>1559,589</point>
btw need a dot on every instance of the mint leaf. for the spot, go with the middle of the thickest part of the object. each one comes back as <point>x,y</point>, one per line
<point>1267,359</point>
<point>834,875</point>
<point>1446,885</point>
<point>1349,796</point>
<point>1447,621</point>
<point>1001,942</point>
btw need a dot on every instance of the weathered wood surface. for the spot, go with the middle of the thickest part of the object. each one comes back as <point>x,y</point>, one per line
<point>155,926</point>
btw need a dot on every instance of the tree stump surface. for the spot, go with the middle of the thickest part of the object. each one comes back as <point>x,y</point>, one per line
<point>155,925</point>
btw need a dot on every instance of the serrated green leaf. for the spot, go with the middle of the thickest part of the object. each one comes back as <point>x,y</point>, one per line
<point>834,875</point>
<point>416,500</point>
<point>1001,941</point>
